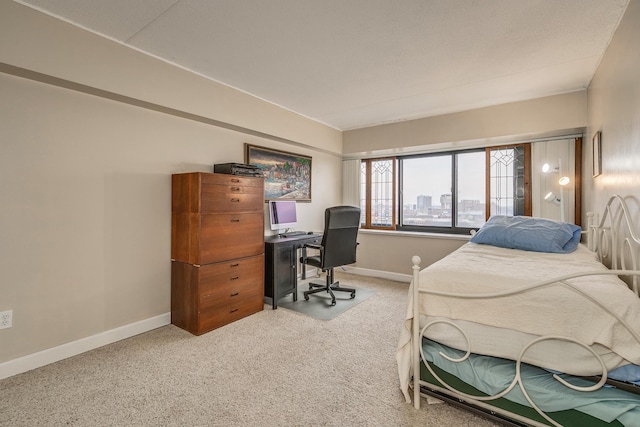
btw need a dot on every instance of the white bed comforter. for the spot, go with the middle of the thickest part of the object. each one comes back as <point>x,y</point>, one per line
<point>551,310</point>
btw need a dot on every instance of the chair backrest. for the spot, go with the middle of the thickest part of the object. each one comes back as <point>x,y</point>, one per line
<point>340,236</point>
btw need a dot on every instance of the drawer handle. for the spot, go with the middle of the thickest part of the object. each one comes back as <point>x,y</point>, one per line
<point>235,200</point>
<point>235,220</point>
<point>235,180</point>
<point>234,265</point>
<point>235,277</point>
<point>234,310</point>
<point>235,294</point>
<point>235,188</point>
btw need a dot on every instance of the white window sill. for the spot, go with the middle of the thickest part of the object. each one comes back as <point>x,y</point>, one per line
<point>397,233</point>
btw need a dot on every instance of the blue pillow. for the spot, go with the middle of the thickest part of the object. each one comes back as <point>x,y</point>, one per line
<point>627,373</point>
<point>529,234</point>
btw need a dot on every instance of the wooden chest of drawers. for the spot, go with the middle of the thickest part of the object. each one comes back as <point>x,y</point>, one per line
<point>208,296</point>
<point>217,249</point>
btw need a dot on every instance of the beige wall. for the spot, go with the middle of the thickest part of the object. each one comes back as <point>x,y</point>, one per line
<point>85,179</point>
<point>381,253</point>
<point>518,121</point>
<point>614,109</point>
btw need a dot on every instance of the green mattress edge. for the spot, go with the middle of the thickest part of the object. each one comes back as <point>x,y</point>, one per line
<point>568,418</point>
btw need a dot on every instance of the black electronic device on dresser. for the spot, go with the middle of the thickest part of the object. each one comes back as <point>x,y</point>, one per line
<point>237,169</point>
<point>281,264</point>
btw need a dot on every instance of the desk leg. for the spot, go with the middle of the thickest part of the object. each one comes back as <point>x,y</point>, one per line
<point>303,252</point>
<point>295,278</point>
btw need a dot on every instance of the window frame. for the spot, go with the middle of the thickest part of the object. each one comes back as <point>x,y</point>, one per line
<point>528,201</point>
<point>397,178</point>
<point>367,224</point>
<point>452,229</point>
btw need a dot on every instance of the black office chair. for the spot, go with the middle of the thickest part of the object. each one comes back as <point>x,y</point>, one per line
<point>338,248</point>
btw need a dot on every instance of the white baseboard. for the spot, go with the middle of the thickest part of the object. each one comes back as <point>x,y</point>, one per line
<point>378,273</point>
<point>311,272</point>
<point>51,355</point>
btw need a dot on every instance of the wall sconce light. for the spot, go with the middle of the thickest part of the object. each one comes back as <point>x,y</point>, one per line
<point>552,198</point>
<point>564,180</point>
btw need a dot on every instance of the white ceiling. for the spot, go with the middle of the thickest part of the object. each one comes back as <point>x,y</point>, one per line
<point>357,63</point>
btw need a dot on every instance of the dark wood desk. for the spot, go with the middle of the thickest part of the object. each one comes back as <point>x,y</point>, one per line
<point>281,265</point>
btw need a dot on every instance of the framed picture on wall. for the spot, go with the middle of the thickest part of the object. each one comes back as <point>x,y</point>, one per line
<point>597,154</point>
<point>286,175</point>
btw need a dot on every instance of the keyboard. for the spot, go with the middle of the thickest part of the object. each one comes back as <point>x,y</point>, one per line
<point>292,233</point>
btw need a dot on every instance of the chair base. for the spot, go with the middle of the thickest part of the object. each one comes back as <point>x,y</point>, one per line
<point>330,286</point>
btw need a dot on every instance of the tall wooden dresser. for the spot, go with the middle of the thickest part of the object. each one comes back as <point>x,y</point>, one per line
<point>217,249</point>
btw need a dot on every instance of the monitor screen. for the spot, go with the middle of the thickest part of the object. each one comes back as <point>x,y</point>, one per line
<point>282,214</point>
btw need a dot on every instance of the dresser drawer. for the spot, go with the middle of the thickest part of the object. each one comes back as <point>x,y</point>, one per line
<point>231,296</point>
<point>218,199</point>
<point>199,192</point>
<point>216,317</point>
<point>205,239</point>
<point>230,291</point>
<point>206,297</point>
<point>231,193</point>
<point>223,283</point>
<point>230,180</point>
<point>229,236</point>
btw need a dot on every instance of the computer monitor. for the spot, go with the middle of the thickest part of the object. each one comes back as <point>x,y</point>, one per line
<point>282,214</point>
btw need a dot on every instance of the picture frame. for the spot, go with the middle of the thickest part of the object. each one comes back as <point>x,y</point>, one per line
<point>286,175</point>
<point>597,154</point>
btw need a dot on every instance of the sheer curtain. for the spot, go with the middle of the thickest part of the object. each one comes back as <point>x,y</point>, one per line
<point>351,182</point>
<point>560,155</point>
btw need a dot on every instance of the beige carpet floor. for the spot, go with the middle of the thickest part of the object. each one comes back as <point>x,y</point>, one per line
<point>275,368</point>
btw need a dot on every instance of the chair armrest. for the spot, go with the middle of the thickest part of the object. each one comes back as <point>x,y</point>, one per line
<point>313,246</point>
<point>303,258</point>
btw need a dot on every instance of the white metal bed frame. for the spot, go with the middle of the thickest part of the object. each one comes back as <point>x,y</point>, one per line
<point>613,238</point>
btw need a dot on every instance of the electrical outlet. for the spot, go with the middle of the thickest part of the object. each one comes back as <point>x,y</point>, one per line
<point>6,319</point>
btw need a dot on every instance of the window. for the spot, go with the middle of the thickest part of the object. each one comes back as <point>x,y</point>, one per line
<point>471,200</point>
<point>426,191</point>
<point>443,192</point>
<point>508,178</point>
<point>450,192</point>
<point>377,195</point>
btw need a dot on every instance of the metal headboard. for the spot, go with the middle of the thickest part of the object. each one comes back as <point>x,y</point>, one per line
<point>615,239</point>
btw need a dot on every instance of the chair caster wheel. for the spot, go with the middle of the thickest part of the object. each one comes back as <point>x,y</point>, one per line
<point>353,295</point>
<point>310,286</point>
<point>333,303</point>
<point>306,297</point>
